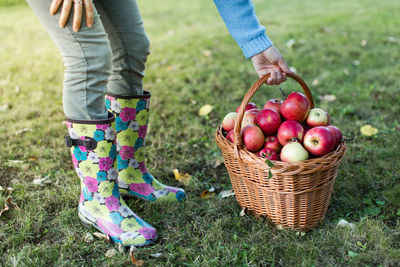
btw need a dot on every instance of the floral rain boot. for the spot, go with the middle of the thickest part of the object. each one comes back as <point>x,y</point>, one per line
<point>93,152</point>
<point>131,120</point>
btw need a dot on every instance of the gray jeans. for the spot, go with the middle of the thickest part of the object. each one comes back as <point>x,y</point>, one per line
<point>110,57</point>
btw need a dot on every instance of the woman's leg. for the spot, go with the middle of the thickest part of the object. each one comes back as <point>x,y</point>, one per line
<point>127,100</point>
<point>87,60</point>
<point>130,45</point>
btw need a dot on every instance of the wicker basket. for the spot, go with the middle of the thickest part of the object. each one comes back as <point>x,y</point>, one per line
<point>298,194</point>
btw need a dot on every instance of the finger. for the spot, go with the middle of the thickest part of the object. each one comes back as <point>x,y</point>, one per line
<point>54,6</point>
<point>283,65</point>
<point>278,77</point>
<point>88,12</point>
<point>272,78</point>
<point>284,76</point>
<point>66,9</point>
<point>78,7</point>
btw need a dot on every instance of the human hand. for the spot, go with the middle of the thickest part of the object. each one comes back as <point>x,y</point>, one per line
<point>271,61</point>
<point>78,9</point>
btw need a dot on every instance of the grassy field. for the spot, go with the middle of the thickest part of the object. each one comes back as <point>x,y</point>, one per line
<point>349,49</point>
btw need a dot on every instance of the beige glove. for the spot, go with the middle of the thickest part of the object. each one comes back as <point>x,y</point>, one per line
<point>78,10</point>
<point>271,61</point>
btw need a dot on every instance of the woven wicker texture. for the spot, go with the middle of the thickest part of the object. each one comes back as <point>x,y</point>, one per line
<point>298,194</point>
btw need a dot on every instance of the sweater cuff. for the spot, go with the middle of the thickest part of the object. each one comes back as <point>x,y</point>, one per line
<point>256,46</point>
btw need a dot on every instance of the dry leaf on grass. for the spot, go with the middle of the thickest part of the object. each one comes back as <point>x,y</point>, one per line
<point>368,130</point>
<point>133,259</point>
<point>156,255</point>
<point>102,236</point>
<point>89,238</point>
<point>207,53</point>
<point>207,194</point>
<point>183,178</point>
<point>23,131</point>
<point>218,163</point>
<point>42,181</point>
<point>9,205</point>
<point>111,253</point>
<point>363,43</point>
<point>121,248</point>
<point>205,110</point>
<point>242,212</point>
<point>327,98</point>
<point>226,193</point>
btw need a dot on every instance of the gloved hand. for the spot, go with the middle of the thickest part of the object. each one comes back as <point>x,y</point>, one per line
<point>78,10</point>
<point>271,60</point>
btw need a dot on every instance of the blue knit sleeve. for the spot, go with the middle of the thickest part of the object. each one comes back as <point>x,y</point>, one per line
<point>241,20</point>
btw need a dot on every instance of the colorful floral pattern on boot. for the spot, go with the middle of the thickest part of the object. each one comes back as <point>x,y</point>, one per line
<point>131,120</point>
<point>100,203</point>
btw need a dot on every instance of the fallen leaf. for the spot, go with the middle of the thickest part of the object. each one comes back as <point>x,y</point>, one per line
<point>218,163</point>
<point>344,223</point>
<point>9,205</point>
<point>368,130</point>
<point>327,98</point>
<point>293,69</point>
<point>111,253</point>
<point>9,189</point>
<point>183,178</point>
<point>226,193</point>
<point>133,259</point>
<point>193,102</point>
<point>391,39</point>
<point>290,43</point>
<point>121,248</point>
<point>207,53</point>
<point>156,255</point>
<point>4,107</point>
<point>207,194</point>
<point>102,236</point>
<point>205,110</point>
<point>89,238</point>
<point>170,68</point>
<point>326,30</point>
<point>42,181</point>
<point>23,131</point>
<point>17,164</point>
<point>242,212</point>
<point>1,188</point>
<point>279,227</point>
<point>346,72</point>
<point>363,43</point>
<point>4,210</point>
<point>315,82</point>
<point>356,62</point>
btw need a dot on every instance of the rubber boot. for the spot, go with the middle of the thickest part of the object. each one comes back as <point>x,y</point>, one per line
<point>93,152</point>
<point>131,120</point>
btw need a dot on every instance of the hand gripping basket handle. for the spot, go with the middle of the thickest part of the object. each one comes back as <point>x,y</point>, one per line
<point>238,122</point>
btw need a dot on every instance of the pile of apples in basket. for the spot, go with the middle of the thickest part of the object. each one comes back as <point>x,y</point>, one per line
<point>285,130</point>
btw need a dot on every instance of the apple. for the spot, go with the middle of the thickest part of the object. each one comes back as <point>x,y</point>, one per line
<point>273,143</point>
<point>337,133</point>
<point>319,141</point>
<point>249,106</point>
<point>268,153</point>
<point>229,121</point>
<point>290,130</point>
<point>317,117</point>
<point>274,104</point>
<point>295,107</point>
<point>229,136</point>
<point>293,151</point>
<point>249,117</point>
<point>253,137</point>
<point>268,120</point>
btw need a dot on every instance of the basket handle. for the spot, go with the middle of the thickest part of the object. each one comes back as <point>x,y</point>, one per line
<point>238,122</point>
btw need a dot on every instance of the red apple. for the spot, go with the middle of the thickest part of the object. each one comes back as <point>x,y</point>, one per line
<point>229,136</point>
<point>229,121</point>
<point>249,106</point>
<point>337,133</point>
<point>253,137</point>
<point>317,117</point>
<point>319,141</point>
<point>274,104</point>
<point>249,117</point>
<point>268,120</point>
<point>268,153</point>
<point>295,107</point>
<point>290,130</point>
<point>293,152</point>
<point>273,143</point>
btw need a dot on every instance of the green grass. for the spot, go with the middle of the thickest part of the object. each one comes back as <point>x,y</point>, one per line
<point>327,34</point>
